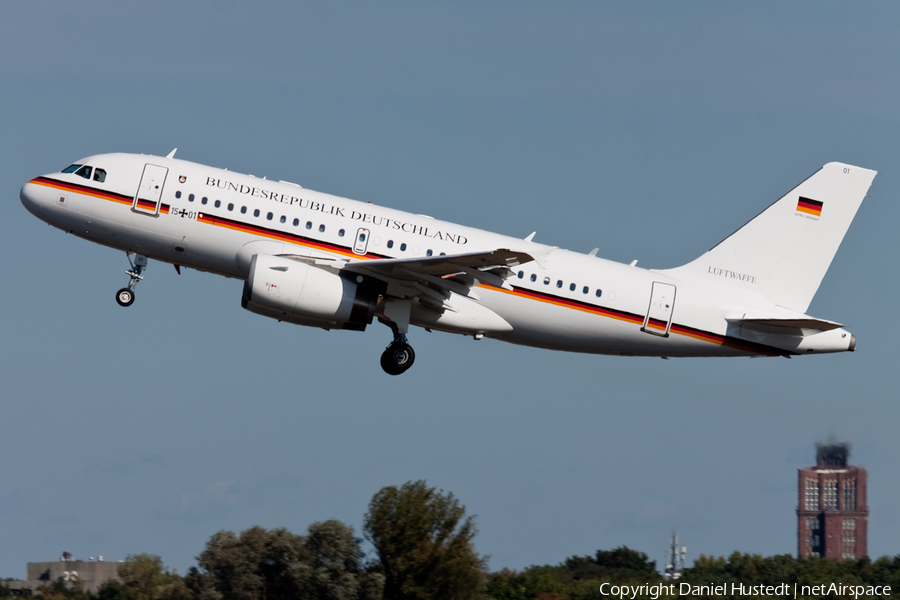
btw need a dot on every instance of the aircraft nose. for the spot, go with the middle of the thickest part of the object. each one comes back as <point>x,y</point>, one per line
<point>31,198</point>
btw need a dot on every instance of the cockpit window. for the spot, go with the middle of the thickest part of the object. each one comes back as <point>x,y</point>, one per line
<point>84,171</point>
<point>99,175</point>
<point>71,168</point>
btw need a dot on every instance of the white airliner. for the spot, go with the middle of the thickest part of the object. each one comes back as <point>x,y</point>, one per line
<point>314,259</point>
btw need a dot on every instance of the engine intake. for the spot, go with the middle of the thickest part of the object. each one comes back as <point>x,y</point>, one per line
<point>297,292</point>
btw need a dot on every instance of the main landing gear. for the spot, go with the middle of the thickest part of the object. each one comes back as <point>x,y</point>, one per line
<point>125,296</point>
<point>399,355</point>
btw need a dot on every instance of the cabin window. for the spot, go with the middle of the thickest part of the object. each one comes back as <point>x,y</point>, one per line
<point>218,203</point>
<point>585,290</point>
<point>255,212</point>
<point>341,233</point>
<point>403,247</point>
<point>84,171</point>
<point>322,228</point>
<point>71,168</point>
<point>599,292</point>
<point>178,194</point>
<point>296,222</point>
<point>99,175</point>
<point>390,244</point>
<point>533,277</point>
<point>269,216</point>
<point>309,224</point>
<point>190,197</point>
<point>230,206</point>
<point>521,274</point>
<point>243,210</point>
<point>204,200</point>
<point>443,254</point>
<point>428,253</point>
<point>571,287</point>
<point>283,219</point>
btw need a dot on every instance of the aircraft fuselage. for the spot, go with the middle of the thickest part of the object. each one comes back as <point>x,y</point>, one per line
<point>216,220</point>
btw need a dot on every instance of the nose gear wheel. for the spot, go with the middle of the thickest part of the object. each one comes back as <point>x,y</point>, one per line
<point>125,296</point>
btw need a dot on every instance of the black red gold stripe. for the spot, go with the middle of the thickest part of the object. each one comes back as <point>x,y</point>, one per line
<point>282,236</point>
<point>809,206</point>
<point>98,193</point>
<point>83,189</point>
<point>636,319</point>
<point>521,292</point>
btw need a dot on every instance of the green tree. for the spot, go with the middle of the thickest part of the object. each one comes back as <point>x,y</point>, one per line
<point>257,564</point>
<point>752,569</point>
<point>260,564</point>
<point>424,543</point>
<point>617,566</point>
<point>532,583</point>
<point>144,577</point>
<point>60,590</point>
<point>334,565</point>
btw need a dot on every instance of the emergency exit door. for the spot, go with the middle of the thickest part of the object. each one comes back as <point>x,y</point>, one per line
<point>659,313</point>
<point>149,192</point>
<point>362,241</point>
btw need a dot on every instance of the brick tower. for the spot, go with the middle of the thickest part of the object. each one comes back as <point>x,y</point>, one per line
<point>832,515</point>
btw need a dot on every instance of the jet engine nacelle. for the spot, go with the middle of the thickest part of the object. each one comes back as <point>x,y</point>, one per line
<point>297,292</point>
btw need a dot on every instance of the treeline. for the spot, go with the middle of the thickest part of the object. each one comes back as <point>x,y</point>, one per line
<point>424,550</point>
<point>624,572</point>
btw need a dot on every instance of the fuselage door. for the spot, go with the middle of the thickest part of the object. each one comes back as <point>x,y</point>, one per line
<point>149,192</point>
<point>362,241</point>
<point>659,313</point>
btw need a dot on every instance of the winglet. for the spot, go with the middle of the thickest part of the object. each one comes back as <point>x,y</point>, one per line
<point>530,237</point>
<point>172,153</point>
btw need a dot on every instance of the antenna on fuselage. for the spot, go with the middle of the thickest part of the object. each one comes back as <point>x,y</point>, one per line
<point>172,153</point>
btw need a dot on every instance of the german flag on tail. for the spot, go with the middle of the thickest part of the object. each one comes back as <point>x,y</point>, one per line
<point>810,207</point>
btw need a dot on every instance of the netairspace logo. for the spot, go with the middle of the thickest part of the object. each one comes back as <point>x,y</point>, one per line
<point>784,590</point>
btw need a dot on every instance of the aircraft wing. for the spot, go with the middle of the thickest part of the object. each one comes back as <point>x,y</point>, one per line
<point>454,272</point>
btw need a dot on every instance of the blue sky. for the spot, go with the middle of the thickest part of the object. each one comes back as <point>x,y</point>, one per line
<point>650,130</point>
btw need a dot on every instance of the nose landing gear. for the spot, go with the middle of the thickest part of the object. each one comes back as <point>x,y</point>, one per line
<point>125,296</point>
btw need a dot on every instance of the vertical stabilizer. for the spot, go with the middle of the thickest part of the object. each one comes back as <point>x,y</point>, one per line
<point>785,251</point>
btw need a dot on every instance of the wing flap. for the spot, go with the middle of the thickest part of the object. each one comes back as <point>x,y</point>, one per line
<point>450,272</point>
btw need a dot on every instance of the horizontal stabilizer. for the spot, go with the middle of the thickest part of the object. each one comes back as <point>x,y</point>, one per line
<point>799,326</point>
